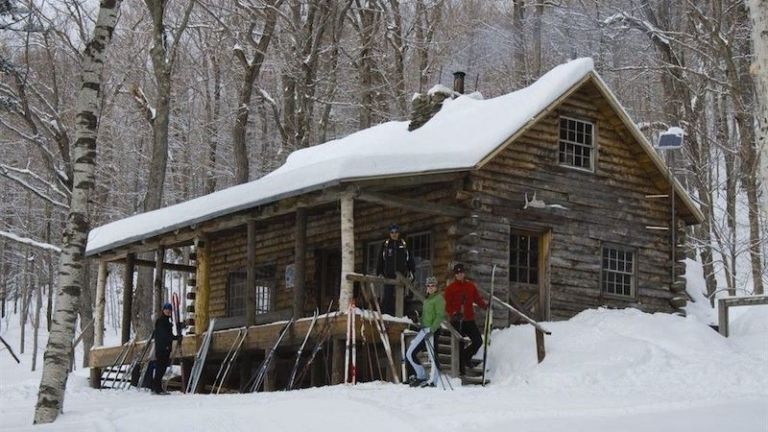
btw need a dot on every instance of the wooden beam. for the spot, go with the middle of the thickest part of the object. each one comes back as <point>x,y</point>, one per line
<point>166,266</point>
<point>347,250</point>
<point>725,303</point>
<point>203,289</point>
<point>250,274</point>
<point>127,298</point>
<point>413,204</point>
<point>299,263</point>
<point>101,282</point>
<point>544,276</point>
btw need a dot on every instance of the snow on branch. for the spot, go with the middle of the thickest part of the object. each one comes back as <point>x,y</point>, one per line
<point>29,241</point>
<point>143,103</point>
<point>14,174</point>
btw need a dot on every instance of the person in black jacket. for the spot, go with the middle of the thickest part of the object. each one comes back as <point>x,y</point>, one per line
<point>394,258</point>
<point>163,344</point>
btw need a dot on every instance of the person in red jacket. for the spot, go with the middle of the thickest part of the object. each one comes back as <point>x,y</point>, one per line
<point>460,297</point>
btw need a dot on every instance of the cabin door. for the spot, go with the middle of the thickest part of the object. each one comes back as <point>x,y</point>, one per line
<point>527,264</point>
<point>328,277</point>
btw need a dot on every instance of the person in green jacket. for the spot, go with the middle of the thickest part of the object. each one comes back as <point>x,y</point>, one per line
<point>432,315</point>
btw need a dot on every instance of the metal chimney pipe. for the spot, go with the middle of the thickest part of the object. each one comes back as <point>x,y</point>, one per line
<point>458,82</point>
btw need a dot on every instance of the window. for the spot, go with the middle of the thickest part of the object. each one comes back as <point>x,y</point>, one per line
<point>524,258</point>
<point>265,285</point>
<point>420,246</point>
<point>618,271</point>
<point>577,146</point>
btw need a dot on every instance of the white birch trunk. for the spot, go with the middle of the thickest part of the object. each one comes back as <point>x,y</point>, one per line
<point>50,399</point>
<point>759,14</point>
<point>347,251</point>
<point>98,324</point>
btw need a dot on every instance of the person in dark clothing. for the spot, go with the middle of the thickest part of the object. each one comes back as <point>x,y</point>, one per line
<point>394,258</point>
<point>460,297</point>
<point>163,345</point>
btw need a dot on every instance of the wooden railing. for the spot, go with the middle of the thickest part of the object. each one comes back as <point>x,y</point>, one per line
<point>402,284</point>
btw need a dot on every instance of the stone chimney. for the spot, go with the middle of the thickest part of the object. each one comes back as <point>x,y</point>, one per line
<point>458,82</point>
<point>425,106</point>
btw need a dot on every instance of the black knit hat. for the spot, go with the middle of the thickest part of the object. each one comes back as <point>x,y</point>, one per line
<point>458,268</point>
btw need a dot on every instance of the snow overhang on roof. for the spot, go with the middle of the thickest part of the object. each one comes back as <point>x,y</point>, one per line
<point>388,149</point>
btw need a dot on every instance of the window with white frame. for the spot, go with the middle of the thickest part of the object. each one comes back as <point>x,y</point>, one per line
<point>265,285</point>
<point>577,144</point>
<point>618,275</point>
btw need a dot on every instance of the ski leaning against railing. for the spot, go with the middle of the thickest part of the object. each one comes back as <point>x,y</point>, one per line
<point>350,355</point>
<point>322,338</point>
<point>258,379</point>
<point>444,381</point>
<point>301,349</point>
<point>202,353</point>
<point>488,325</point>
<point>226,364</point>
<point>381,329</point>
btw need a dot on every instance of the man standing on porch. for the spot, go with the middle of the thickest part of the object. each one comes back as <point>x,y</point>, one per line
<point>460,298</point>
<point>394,258</point>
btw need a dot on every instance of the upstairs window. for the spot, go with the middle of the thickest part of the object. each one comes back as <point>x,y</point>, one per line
<point>577,144</point>
<point>618,275</point>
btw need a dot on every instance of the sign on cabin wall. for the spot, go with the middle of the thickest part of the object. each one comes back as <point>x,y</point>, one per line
<point>289,272</point>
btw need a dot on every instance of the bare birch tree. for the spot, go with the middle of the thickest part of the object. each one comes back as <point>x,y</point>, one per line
<point>58,352</point>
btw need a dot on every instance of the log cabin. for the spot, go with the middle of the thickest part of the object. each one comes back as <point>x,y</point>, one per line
<point>553,186</point>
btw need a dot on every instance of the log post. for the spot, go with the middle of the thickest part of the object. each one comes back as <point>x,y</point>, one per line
<point>337,361</point>
<point>130,263</point>
<point>158,285</point>
<point>544,277</point>
<point>299,267</point>
<point>347,250</point>
<point>101,282</point>
<point>95,378</point>
<point>203,287</point>
<point>250,274</point>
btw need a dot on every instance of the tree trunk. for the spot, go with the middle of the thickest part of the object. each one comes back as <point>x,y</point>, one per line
<point>759,17</point>
<point>50,398</point>
<point>36,324</point>
<point>86,312</point>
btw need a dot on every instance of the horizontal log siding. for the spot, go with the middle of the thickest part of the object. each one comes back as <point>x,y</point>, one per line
<point>275,242</point>
<point>606,206</point>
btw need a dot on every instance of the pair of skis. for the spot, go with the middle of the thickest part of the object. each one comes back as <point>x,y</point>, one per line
<point>258,379</point>
<point>295,369</point>
<point>229,359</point>
<point>488,326</point>
<point>350,364</point>
<point>202,353</point>
<point>322,338</point>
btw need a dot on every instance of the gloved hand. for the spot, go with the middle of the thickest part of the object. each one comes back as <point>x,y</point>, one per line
<point>411,277</point>
<point>458,316</point>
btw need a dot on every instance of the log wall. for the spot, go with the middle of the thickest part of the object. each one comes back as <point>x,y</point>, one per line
<point>608,205</point>
<point>275,243</point>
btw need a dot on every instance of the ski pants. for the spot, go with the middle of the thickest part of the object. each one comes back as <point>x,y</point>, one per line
<point>162,360</point>
<point>469,329</point>
<point>417,345</point>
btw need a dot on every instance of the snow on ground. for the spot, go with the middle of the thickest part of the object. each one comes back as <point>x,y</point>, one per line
<point>606,370</point>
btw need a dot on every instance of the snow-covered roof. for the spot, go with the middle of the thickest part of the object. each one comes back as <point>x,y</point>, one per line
<point>459,137</point>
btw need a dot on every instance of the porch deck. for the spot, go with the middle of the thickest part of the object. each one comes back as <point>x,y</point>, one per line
<point>260,337</point>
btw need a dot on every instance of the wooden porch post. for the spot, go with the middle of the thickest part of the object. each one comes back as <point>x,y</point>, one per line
<point>130,263</point>
<point>159,288</point>
<point>101,281</point>
<point>347,250</point>
<point>299,267</point>
<point>544,292</point>
<point>203,287</point>
<point>250,275</point>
